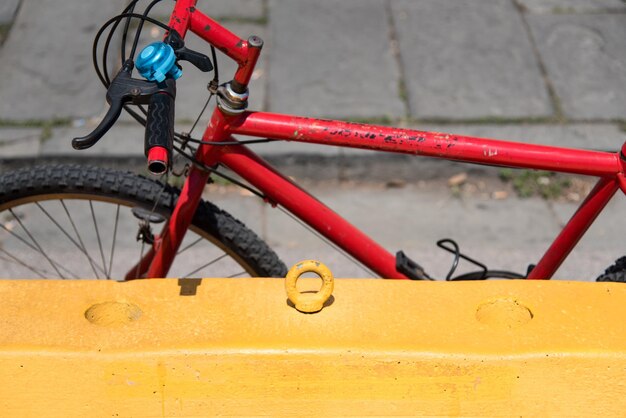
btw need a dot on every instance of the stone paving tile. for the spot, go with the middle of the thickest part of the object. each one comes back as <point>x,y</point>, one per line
<point>8,8</point>
<point>585,56</point>
<point>572,6</point>
<point>46,62</point>
<point>19,142</point>
<point>332,58</point>
<point>468,59</point>
<point>234,9</point>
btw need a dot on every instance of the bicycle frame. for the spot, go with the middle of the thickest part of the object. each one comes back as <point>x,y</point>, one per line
<point>609,167</point>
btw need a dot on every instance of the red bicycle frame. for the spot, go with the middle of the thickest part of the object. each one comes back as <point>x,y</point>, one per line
<point>609,167</point>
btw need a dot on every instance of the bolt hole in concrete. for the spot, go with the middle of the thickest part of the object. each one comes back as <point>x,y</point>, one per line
<point>503,313</point>
<point>112,313</point>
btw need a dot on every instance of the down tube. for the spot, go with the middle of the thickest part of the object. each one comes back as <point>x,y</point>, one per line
<point>310,210</point>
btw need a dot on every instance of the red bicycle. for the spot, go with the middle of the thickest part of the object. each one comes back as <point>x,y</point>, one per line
<point>57,200</point>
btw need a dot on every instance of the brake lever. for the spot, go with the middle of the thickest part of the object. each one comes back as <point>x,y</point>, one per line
<point>123,90</point>
<point>199,60</point>
<point>103,127</point>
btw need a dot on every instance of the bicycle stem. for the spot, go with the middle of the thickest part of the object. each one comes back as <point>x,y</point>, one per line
<point>245,52</point>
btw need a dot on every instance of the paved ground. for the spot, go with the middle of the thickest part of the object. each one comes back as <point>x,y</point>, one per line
<point>536,71</point>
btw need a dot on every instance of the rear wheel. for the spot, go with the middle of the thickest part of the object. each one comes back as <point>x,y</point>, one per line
<point>70,221</point>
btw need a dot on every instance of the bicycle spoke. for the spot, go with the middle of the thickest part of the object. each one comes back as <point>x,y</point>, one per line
<point>189,246</point>
<point>206,265</point>
<point>95,224</point>
<point>79,237</point>
<point>243,272</point>
<point>81,248</point>
<point>152,211</point>
<point>32,247</point>
<point>20,262</point>
<point>41,251</point>
<point>18,237</point>
<point>117,217</point>
<point>156,201</point>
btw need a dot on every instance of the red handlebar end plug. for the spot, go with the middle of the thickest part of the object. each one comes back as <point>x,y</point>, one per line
<point>158,160</point>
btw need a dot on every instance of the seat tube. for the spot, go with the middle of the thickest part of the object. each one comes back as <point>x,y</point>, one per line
<point>575,228</point>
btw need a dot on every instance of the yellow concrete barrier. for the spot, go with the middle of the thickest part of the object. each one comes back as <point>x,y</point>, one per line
<point>238,347</point>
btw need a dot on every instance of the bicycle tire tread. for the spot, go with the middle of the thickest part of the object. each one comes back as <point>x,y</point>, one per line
<point>615,273</point>
<point>69,178</point>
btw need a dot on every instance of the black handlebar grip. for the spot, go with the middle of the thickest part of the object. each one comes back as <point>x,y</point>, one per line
<point>159,132</point>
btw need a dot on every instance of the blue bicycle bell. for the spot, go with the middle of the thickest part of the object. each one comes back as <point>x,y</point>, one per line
<point>157,61</point>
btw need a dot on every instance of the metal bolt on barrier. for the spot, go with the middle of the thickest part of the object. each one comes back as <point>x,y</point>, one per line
<point>308,302</point>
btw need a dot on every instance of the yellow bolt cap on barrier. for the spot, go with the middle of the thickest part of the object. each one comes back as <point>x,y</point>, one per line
<point>309,302</point>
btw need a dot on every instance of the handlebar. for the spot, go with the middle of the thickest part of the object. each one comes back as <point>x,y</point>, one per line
<point>158,64</point>
<point>159,132</point>
<point>159,96</point>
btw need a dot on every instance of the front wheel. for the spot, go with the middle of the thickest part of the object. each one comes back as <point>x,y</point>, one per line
<point>615,273</point>
<point>75,222</point>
